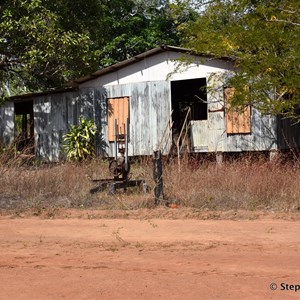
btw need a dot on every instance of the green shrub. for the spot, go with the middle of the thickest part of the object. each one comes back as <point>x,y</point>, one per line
<point>80,140</point>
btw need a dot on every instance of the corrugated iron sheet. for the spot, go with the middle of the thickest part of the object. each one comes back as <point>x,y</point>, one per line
<point>7,123</point>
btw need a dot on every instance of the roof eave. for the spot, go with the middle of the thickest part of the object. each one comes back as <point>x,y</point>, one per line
<point>27,96</point>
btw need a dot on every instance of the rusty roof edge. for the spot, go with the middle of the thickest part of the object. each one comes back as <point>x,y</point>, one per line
<point>36,94</point>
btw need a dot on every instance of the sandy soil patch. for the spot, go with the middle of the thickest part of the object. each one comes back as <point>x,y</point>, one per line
<point>119,258</point>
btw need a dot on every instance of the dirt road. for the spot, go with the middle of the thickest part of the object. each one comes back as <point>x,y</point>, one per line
<point>148,259</point>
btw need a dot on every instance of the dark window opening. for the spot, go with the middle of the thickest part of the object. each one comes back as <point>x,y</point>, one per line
<point>24,127</point>
<point>188,93</point>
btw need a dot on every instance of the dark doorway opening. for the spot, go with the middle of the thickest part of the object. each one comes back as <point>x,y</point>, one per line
<point>188,93</point>
<point>24,127</point>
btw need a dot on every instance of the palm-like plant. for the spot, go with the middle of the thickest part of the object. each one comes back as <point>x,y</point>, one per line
<point>80,140</point>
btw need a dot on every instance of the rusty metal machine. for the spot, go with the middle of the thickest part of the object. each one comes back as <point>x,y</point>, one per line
<point>119,167</point>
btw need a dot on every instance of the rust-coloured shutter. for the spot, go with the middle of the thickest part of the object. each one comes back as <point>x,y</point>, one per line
<point>236,121</point>
<point>117,109</point>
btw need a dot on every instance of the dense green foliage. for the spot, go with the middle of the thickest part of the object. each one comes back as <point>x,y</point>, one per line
<point>263,37</point>
<point>136,26</point>
<point>45,43</point>
<point>80,140</point>
<point>35,50</point>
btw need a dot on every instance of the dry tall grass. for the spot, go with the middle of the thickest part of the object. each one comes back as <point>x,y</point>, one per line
<point>236,185</point>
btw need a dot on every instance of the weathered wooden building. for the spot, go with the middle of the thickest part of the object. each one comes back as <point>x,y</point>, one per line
<point>157,94</point>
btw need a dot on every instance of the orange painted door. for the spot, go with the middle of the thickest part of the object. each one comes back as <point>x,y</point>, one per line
<point>118,109</point>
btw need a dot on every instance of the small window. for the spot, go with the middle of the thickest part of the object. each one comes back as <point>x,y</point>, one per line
<point>118,109</point>
<point>236,121</point>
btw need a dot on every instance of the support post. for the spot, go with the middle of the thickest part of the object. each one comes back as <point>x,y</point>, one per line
<point>157,176</point>
<point>126,144</point>
<point>273,155</point>
<point>116,138</point>
<point>219,158</point>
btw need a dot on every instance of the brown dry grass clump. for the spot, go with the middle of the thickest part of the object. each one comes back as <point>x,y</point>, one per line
<point>235,185</point>
<point>244,184</point>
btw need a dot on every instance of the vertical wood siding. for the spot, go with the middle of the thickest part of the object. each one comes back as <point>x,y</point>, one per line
<point>7,123</point>
<point>211,135</point>
<point>149,109</point>
<point>55,113</point>
<point>288,133</point>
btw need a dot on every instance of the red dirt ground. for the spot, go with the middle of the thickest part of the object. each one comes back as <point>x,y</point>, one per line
<point>81,258</point>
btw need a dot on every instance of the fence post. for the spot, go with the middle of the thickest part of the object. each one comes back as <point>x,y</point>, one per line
<point>157,176</point>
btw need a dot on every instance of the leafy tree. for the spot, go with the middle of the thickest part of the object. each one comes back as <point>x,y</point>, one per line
<point>45,43</point>
<point>134,26</point>
<point>262,36</point>
<point>36,51</point>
